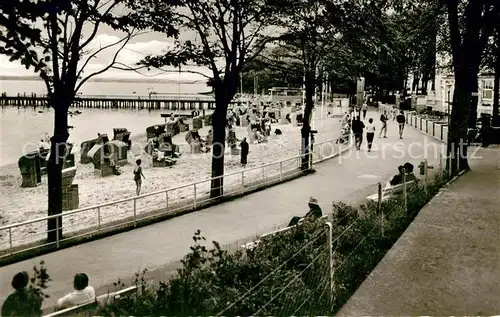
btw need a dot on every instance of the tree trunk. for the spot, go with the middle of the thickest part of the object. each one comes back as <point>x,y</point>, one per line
<point>496,90</point>
<point>219,141</point>
<point>465,85</point>
<point>425,81</point>
<point>310,84</point>
<point>414,87</point>
<point>472,73</point>
<point>54,168</point>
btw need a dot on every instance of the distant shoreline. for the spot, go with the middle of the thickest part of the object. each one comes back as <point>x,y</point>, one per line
<point>109,80</point>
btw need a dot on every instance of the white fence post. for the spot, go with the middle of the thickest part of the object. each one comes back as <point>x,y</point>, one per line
<point>98,218</point>
<point>441,165</point>
<point>10,238</point>
<point>166,197</point>
<point>135,212</point>
<point>425,177</point>
<point>331,271</point>
<point>194,192</point>
<point>450,162</point>
<point>242,181</point>
<point>57,232</point>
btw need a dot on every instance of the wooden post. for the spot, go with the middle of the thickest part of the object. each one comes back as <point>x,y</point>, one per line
<point>405,194</point>
<point>379,207</point>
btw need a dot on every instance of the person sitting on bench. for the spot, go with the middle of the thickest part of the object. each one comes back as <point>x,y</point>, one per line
<point>23,301</point>
<point>83,293</point>
<point>398,179</point>
<point>314,213</point>
<point>410,176</point>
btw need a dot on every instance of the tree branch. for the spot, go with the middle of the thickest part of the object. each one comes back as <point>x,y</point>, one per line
<point>127,39</point>
<point>125,67</point>
<point>98,51</point>
<point>205,43</point>
<point>65,43</point>
<point>53,29</point>
<point>455,37</point>
<point>98,22</point>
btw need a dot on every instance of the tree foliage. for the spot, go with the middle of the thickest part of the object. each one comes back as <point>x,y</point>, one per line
<point>53,37</point>
<point>268,280</point>
<point>226,35</point>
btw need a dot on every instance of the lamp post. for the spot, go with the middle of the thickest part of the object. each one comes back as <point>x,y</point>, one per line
<point>449,91</point>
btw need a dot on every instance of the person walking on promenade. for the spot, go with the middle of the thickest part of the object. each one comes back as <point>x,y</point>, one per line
<point>401,122</point>
<point>394,113</point>
<point>244,152</point>
<point>357,130</point>
<point>365,109</point>
<point>383,129</point>
<point>23,301</point>
<point>370,133</point>
<point>138,177</point>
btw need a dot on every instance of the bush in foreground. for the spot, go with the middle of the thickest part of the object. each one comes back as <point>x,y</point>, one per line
<point>270,279</point>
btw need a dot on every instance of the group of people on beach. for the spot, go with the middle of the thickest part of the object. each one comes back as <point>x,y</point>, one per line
<point>25,301</point>
<point>358,126</point>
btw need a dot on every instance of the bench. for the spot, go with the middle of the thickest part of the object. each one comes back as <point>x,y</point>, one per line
<point>253,244</point>
<point>390,191</point>
<point>100,301</point>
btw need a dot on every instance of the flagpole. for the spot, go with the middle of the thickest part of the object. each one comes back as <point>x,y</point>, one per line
<point>179,87</point>
<point>323,93</point>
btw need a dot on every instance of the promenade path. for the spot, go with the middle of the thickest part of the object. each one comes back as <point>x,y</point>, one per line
<point>349,178</point>
<point>447,263</point>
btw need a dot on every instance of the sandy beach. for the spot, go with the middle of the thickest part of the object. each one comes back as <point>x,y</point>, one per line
<point>24,204</point>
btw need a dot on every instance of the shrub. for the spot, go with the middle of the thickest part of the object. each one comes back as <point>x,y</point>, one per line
<point>270,278</point>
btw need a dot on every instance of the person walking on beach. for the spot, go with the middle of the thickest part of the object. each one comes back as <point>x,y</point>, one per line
<point>365,109</point>
<point>138,177</point>
<point>401,122</point>
<point>370,133</point>
<point>383,129</point>
<point>357,129</point>
<point>244,152</point>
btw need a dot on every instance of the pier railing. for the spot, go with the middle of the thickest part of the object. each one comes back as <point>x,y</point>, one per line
<point>89,221</point>
<point>167,102</point>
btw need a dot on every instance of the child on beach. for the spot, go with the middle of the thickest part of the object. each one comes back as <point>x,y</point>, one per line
<point>138,177</point>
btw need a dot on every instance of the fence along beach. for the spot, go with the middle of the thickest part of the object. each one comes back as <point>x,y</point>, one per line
<point>151,102</point>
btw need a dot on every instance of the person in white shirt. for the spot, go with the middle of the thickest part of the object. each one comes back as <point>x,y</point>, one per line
<point>365,109</point>
<point>83,293</point>
<point>43,145</point>
<point>370,133</point>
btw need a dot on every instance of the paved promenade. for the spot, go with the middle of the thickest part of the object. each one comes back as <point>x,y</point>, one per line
<point>349,178</point>
<point>448,260</point>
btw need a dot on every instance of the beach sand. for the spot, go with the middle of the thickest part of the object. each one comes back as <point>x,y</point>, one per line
<point>22,204</point>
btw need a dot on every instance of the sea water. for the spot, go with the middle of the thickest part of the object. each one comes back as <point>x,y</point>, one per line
<point>21,129</point>
<point>108,87</point>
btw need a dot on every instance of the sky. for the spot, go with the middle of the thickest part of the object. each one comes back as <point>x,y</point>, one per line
<point>134,51</point>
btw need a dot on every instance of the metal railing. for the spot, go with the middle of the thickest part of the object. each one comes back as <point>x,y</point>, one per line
<point>316,285</point>
<point>84,222</point>
<point>433,127</point>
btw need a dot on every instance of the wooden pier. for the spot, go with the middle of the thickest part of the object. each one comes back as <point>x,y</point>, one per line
<point>114,103</point>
